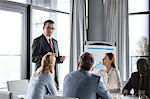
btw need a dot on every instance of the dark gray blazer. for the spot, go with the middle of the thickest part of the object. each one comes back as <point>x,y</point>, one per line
<point>82,85</point>
<point>40,47</point>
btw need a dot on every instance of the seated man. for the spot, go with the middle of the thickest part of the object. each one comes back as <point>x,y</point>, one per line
<point>139,80</point>
<point>83,85</point>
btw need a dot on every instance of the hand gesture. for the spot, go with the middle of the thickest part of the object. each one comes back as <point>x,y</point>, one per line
<point>62,58</point>
<point>125,92</point>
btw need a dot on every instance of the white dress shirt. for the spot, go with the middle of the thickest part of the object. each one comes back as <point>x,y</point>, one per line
<point>112,79</point>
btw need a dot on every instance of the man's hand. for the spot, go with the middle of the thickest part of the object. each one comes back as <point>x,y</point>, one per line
<point>125,92</point>
<point>50,53</point>
<point>62,58</point>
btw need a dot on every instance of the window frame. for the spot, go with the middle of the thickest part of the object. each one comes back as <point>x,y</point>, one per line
<point>19,8</point>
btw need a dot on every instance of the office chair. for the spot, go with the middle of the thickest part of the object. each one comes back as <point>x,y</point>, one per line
<point>5,95</point>
<point>18,87</point>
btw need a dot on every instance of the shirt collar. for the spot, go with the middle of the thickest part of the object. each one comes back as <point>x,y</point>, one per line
<point>47,38</point>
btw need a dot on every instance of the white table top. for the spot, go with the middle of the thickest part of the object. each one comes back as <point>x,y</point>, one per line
<point>118,96</point>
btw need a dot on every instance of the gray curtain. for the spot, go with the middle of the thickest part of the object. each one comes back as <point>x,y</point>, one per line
<point>116,21</point>
<point>116,24</point>
<point>96,29</point>
<point>78,30</point>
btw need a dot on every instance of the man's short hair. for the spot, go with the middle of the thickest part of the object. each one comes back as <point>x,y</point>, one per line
<point>86,60</point>
<point>48,21</point>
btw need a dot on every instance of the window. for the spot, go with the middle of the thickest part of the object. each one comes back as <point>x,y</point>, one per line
<point>58,5</point>
<point>12,44</point>
<point>138,31</point>
<point>20,1</point>
<point>13,48</point>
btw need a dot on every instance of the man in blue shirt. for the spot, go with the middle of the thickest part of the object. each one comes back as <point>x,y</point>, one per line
<point>83,85</point>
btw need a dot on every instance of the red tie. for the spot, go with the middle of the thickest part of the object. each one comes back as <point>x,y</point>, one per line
<point>51,45</point>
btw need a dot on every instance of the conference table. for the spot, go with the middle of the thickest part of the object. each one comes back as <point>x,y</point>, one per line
<point>116,96</point>
<point>119,96</point>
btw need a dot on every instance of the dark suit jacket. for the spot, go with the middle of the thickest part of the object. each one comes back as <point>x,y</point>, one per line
<point>40,47</point>
<point>134,83</point>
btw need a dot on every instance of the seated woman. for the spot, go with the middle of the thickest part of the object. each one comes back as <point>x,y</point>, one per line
<point>42,81</point>
<point>111,74</point>
<point>139,80</point>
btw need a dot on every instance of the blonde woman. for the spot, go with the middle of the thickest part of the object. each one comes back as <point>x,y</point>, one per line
<point>42,81</point>
<point>111,74</point>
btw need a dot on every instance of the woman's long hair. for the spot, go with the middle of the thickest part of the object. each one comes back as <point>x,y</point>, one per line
<point>111,57</point>
<point>142,65</point>
<point>47,65</point>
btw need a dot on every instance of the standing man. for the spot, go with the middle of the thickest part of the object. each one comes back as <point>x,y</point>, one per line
<point>83,85</point>
<point>45,44</point>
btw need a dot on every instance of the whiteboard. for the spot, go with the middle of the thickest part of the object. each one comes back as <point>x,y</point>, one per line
<point>99,52</point>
